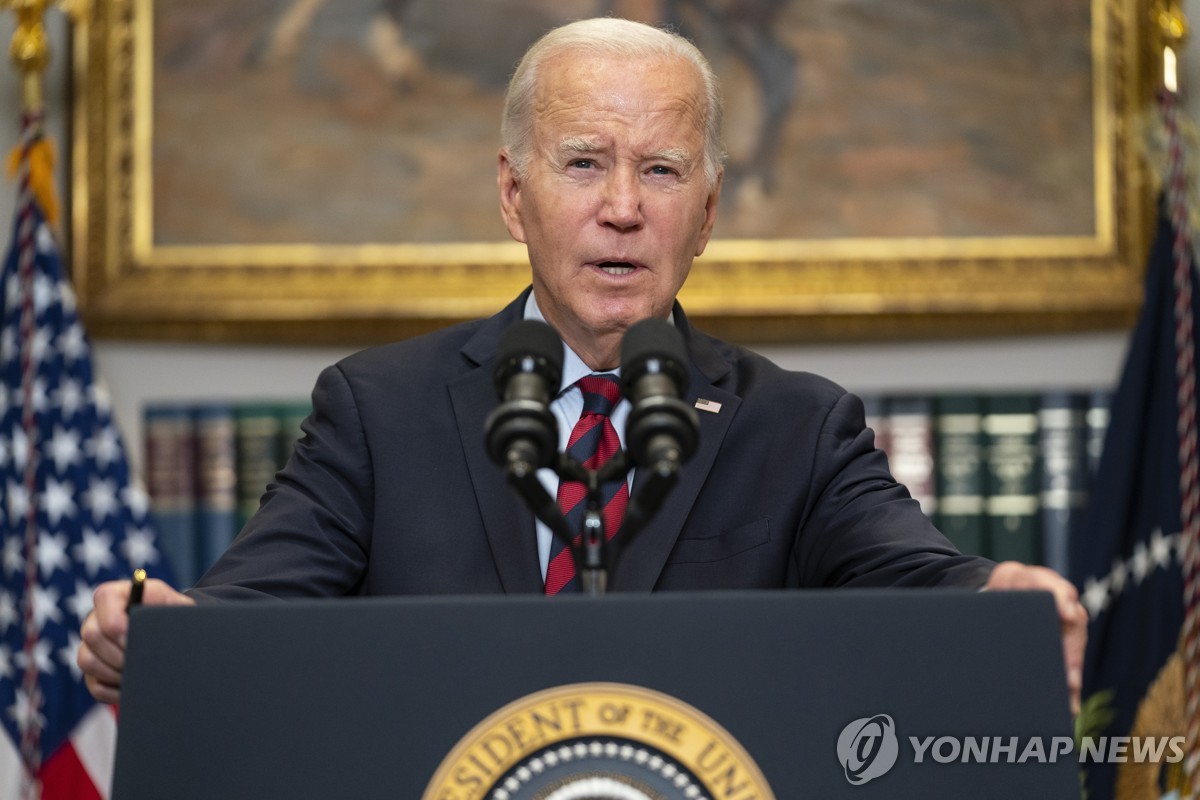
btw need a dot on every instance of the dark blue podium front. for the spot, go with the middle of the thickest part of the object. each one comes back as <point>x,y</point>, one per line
<point>366,698</point>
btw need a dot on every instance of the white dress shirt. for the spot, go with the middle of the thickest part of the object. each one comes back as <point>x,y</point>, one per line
<point>567,407</point>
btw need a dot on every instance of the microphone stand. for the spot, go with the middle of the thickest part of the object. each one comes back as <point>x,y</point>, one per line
<point>593,563</point>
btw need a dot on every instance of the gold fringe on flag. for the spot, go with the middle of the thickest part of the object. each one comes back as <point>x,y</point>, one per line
<point>40,155</point>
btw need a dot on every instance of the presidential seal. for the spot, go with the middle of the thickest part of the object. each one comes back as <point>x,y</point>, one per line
<point>598,741</point>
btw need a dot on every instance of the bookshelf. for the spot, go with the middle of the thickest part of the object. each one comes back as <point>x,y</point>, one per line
<point>199,381</point>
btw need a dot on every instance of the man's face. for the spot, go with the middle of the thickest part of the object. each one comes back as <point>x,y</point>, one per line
<point>614,205</point>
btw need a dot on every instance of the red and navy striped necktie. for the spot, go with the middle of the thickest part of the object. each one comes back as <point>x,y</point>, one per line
<point>593,442</point>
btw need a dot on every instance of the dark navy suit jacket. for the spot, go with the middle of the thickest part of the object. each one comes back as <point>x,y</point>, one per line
<point>391,491</point>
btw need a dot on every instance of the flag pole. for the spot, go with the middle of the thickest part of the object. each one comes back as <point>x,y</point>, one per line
<point>32,163</point>
<point>1174,32</point>
<point>30,54</point>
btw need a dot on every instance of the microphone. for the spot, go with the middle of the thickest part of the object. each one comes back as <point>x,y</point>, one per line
<point>662,430</point>
<point>521,433</point>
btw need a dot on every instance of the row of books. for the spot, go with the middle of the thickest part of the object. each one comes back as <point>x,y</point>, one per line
<point>206,467</point>
<point>1003,475</point>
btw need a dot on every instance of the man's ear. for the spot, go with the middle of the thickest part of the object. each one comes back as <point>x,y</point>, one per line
<point>510,197</point>
<point>710,214</point>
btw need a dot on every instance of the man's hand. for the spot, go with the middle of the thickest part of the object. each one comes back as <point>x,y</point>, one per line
<point>102,653</point>
<point>1011,575</point>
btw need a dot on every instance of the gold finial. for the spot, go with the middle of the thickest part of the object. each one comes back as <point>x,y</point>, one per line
<point>1172,30</point>
<point>29,49</point>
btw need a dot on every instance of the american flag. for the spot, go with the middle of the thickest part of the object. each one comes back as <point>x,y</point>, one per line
<point>71,518</point>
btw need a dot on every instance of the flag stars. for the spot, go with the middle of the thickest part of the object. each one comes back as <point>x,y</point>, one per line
<point>72,342</point>
<point>101,498</point>
<point>1139,564</point>
<point>12,555</point>
<point>100,396</point>
<point>8,345</point>
<point>66,296</point>
<point>1116,577</point>
<point>80,603</point>
<point>39,345</point>
<point>18,500</point>
<point>105,447</point>
<point>52,553</point>
<point>13,294</point>
<point>45,606</point>
<point>94,552</point>
<point>44,242</point>
<point>1095,596</point>
<point>136,498</point>
<point>26,712</point>
<point>8,611</point>
<point>58,500</point>
<point>16,448</point>
<point>69,398</point>
<point>64,448</point>
<point>138,547</point>
<point>7,668</point>
<point>1098,593</point>
<point>1161,548</point>
<point>40,396</point>
<point>69,656</point>
<point>42,658</point>
<point>43,293</point>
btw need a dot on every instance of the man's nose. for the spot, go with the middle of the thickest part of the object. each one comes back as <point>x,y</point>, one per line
<point>621,205</point>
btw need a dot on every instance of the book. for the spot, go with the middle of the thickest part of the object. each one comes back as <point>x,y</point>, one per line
<point>215,482</point>
<point>291,416</point>
<point>910,447</point>
<point>1011,483</point>
<point>170,481</point>
<point>958,422</point>
<point>874,407</point>
<point>259,447</point>
<point>1062,445</point>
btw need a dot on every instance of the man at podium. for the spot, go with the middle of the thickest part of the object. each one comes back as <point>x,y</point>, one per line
<point>609,172</point>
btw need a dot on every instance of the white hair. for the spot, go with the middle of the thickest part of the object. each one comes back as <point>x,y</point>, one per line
<point>612,37</point>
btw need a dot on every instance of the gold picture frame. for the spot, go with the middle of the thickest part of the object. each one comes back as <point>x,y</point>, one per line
<point>766,289</point>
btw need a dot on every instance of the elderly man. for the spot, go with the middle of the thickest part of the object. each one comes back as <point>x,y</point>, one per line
<point>610,172</point>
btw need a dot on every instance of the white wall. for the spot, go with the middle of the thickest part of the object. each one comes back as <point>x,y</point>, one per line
<point>138,372</point>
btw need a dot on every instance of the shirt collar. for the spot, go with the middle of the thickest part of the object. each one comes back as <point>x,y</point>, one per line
<point>573,366</point>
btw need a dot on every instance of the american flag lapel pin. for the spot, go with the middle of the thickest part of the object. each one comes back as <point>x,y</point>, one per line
<point>711,406</point>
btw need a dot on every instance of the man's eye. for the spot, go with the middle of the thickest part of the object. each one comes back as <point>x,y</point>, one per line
<point>659,169</point>
<point>582,163</point>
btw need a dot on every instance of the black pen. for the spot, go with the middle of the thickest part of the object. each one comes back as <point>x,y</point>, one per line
<point>136,587</point>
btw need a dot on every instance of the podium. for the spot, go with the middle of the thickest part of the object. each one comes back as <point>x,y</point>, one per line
<point>822,694</point>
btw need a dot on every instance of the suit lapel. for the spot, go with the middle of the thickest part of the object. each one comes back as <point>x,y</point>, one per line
<point>509,525</point>
<point>641,562</point>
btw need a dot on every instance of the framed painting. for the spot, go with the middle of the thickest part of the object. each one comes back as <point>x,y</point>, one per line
<point>319,171</point>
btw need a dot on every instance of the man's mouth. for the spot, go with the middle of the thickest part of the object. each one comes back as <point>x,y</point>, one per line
<point>616,267</point>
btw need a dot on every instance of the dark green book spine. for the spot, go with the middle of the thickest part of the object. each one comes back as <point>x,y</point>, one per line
<point>258,454</point>
<point>291,415</point>
<point>1010,429</point>
<point>960,471</point>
